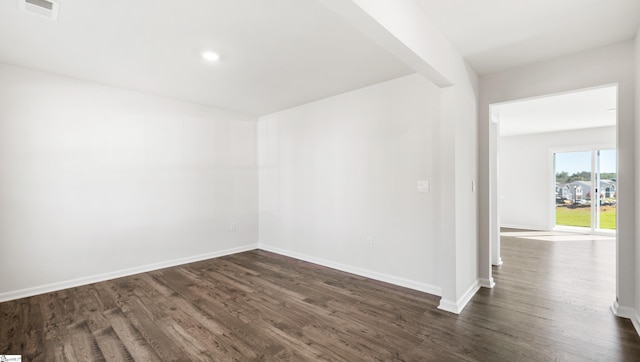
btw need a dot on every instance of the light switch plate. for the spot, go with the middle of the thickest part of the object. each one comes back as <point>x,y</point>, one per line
<point>423,186</point>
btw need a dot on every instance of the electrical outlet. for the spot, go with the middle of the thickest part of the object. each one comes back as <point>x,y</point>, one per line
<point>370,241</point>
<point>232,226</point>
<point>423,186</point>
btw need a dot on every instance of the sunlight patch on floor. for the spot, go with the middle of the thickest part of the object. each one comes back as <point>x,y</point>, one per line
<point>570,237</point>
<point>554,236</point>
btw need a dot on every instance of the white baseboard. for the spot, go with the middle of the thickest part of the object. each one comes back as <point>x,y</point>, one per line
<point>411,284</point>
<point>627,312</point>
<point>449,306</point>
<point>525,227</point>
<point>487,283</point>
<point>620,311</point>
<point>457,306</point>
<point>47,288</point>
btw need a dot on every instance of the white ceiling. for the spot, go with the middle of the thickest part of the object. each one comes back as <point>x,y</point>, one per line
<point>494,35</point>
<point>276,54</point>
<point>590,108</point>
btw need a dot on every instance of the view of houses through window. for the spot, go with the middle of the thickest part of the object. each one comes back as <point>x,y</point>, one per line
<point>586,189</point>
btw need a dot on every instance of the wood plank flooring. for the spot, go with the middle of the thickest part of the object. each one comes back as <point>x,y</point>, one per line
<point>550,304</point>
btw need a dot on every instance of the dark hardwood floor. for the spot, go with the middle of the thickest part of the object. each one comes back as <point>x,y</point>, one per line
<point>550,303</point>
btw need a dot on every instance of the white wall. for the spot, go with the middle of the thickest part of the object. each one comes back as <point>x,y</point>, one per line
<point>636,317</point>
<point>466,176</point>
<point>340,170</point>
<point>98,181</point>
<point>525,176</point>
<point>603,66</point>
<point>403,28</point>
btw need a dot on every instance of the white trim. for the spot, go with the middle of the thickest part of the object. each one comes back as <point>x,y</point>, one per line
<point>585,230</point>
<point>548,95</point>
<point>457,307</point>
<point>524,227</point>
<point>407,283</point>
<point>449,306</point>
<point>636,321</point>
<point>627,312</point>
<point>487,283</point>
<point>47,288</point>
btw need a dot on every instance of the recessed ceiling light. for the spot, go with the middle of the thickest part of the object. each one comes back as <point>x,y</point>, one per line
<point>210,56</point>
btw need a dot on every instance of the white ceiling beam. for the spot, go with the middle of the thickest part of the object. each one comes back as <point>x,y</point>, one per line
<point>386,24</point>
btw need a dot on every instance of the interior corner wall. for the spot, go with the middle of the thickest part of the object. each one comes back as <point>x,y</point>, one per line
<point>525,174</point>
<point>404,29</point>
<point>637,284</point>
<point>99,182</point>
<point>466,200</point>
<point>603,66</point>
<point>338,182</point>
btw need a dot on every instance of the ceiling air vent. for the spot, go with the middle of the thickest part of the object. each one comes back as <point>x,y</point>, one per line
<point>45,8</point>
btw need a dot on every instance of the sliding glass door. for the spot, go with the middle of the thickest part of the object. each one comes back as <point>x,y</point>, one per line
<point>607,179</point>
<point>585,189</point>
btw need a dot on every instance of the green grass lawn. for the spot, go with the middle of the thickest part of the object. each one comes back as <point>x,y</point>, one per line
<point>582,217</point>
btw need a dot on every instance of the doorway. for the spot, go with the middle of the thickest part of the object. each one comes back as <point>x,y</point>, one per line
<point>578,128</point>
<point>496,202</point>
<point>585,190</point>
<point>532,141</point>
